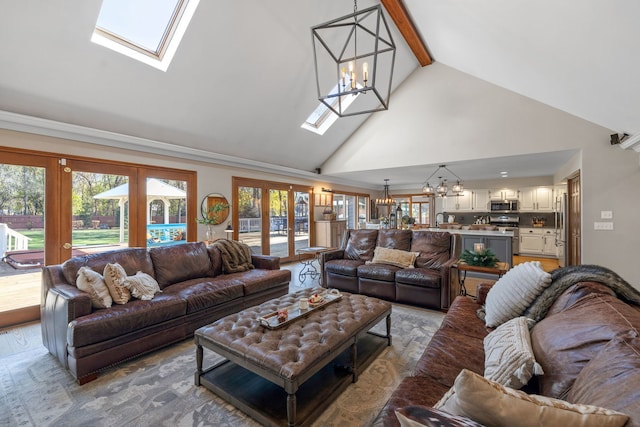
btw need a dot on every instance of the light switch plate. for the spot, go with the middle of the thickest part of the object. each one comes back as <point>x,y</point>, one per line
<point>603,225</point>
<point>606,214</point>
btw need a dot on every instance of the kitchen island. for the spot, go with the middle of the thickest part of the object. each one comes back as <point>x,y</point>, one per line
<point>500,242</point>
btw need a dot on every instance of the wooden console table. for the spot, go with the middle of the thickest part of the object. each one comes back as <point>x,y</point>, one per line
<point>499,270</point>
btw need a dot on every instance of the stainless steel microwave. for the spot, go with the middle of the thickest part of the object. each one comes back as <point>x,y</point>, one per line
<point>504,206</point>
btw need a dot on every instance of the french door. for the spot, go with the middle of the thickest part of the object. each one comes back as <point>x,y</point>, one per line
<point>272,218</point>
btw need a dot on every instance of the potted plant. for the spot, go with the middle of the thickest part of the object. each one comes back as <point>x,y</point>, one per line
<point>328,213</point>
<point>212,218</point>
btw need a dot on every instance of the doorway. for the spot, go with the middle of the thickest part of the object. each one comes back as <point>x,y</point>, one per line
<point>574,214</point>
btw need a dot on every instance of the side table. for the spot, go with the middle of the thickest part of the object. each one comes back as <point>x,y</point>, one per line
<point>499,270</point>
<point>309,269</point>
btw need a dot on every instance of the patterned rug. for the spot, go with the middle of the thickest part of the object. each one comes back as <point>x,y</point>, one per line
<point>158,389</point>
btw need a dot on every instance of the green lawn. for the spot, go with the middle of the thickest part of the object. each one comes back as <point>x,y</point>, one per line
<point>80,237</point>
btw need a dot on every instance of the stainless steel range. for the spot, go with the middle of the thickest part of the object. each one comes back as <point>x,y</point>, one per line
<point>508,223</point>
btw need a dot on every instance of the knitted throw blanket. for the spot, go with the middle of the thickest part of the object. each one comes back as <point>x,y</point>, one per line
<point>564,277</point>
<point>236,256</point>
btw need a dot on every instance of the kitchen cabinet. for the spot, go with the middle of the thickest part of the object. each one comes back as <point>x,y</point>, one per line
<point>469,200</point>
<point>536,199</point>
<point>329,233</point>
<point>499,245</point>
<point>550,247</point>
<point>531,241</point>
<point>503,194</point>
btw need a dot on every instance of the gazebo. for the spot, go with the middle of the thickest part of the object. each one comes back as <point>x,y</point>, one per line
<point>156,190</point>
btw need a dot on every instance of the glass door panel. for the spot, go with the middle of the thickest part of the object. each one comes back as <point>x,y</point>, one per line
<point>301,219</point>
<point>249,217</point>
<point>279,223</point>
<point>22,241</point>
<point>166,212</point>
<point>99,212</point>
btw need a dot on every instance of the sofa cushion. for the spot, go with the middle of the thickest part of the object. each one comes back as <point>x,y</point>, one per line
<point>508,357</point>
<point>564,342</point>
<point>382,272</point>
<point>131,259</point>
<point>258,280</point>
<point>194,262</point>
<point>119,320</point>
<point>396,257</point>
<point>434,248</point>
<point>394,239</point>
<point>361,244</point>
<point>418,416</point>
<point>612,378</point>
<point>424,277</point>
<point>204,293</point>
<point>93,283</point>
<point>114,277</point>
<point>490,403</point>
<point>514,292</point>
<point>344,267</point>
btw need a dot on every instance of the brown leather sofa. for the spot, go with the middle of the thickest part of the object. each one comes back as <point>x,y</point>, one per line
<point>195,292</point>
<point>588,345</point>
<point>426,285</point>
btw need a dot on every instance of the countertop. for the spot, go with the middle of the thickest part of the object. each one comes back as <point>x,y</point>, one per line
<point>474,232</point>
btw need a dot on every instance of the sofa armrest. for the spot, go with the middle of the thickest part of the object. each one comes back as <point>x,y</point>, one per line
<point>266,262</point>
<point>330,255</point>
<point>482,291</point>
<point>61,305</point>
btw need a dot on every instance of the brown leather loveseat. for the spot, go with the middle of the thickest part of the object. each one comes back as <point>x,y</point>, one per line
<point>426,282</point>
<point>194,292</point>
<point>587,344</point>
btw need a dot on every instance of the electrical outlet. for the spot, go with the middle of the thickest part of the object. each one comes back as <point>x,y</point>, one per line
<point>603,225</point>
<point>606,214</point>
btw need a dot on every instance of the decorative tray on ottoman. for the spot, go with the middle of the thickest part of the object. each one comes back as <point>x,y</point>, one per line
<point>294,312</point>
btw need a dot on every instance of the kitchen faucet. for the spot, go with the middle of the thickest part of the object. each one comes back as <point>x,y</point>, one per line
<point>439,213</point>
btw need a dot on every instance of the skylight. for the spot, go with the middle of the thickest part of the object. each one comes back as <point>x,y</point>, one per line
<point>321,119</point>
<point>146,30</point>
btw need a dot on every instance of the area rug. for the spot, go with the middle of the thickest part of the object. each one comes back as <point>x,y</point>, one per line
<point>158,389</point>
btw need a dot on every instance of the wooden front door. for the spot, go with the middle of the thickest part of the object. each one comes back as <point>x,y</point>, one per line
<point>574,254</point>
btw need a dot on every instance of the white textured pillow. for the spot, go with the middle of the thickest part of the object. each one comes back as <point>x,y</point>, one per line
<point>508,357</point>
<point>142,286</point>
<point>114,277</point>
<point>492,404</point>
<point>512,294</point>
<point>93,283</point>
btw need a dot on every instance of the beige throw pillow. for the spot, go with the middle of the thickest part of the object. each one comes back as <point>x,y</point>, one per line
<point>514,292</point>
<point>396,257</point>
<point>508,357</point>
<point>492,404</point>
<point>93,283</point>
<point>142,286</point>
<point>114,276</point>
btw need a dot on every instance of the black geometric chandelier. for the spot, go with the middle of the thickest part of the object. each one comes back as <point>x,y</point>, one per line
<point>354,57</point>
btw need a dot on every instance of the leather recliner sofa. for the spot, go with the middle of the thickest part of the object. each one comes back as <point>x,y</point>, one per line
<point>195,292</point>
<point>426,283</point>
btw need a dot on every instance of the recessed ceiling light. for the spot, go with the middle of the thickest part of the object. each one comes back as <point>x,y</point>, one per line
<point>504,174</point>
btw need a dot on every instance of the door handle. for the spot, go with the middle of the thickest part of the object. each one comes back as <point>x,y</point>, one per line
<point>67,246</point>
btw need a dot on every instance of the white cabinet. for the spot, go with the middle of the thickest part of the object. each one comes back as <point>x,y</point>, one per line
<point>536,199</point>
<point>550,247</point>
<point>531,241</point>
<point>503,194</point>
<point>329,233</point>
<point>469,200</point>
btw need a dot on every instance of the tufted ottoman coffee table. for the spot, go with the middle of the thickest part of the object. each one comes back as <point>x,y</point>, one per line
<point>290,375</point>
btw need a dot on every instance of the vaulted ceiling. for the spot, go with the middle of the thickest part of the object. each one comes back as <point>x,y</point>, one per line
<point>242,81</point>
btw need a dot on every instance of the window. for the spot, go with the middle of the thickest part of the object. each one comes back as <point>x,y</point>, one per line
<point>321,119</point>
<point>146,30</point>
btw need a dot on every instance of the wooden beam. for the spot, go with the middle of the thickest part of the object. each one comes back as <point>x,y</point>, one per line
<point>398,13</point>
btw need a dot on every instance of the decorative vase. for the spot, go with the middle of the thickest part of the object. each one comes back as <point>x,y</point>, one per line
<point>210,233</point>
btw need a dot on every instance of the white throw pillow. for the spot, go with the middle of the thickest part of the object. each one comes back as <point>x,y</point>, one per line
<point>395,257</point>
<point>492,404</point>
<point>514,292</point>
<point>142,286</point>
<point>114,277</point>
<point>93,283</point>
<point>508,357</point>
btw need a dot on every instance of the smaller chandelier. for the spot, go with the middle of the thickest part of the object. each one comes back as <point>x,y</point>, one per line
<point>354,57</point>
<point>442,189</point>
<point>386,199</point>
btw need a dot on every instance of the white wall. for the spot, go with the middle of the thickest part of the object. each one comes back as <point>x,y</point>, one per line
<point>442,115</point>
